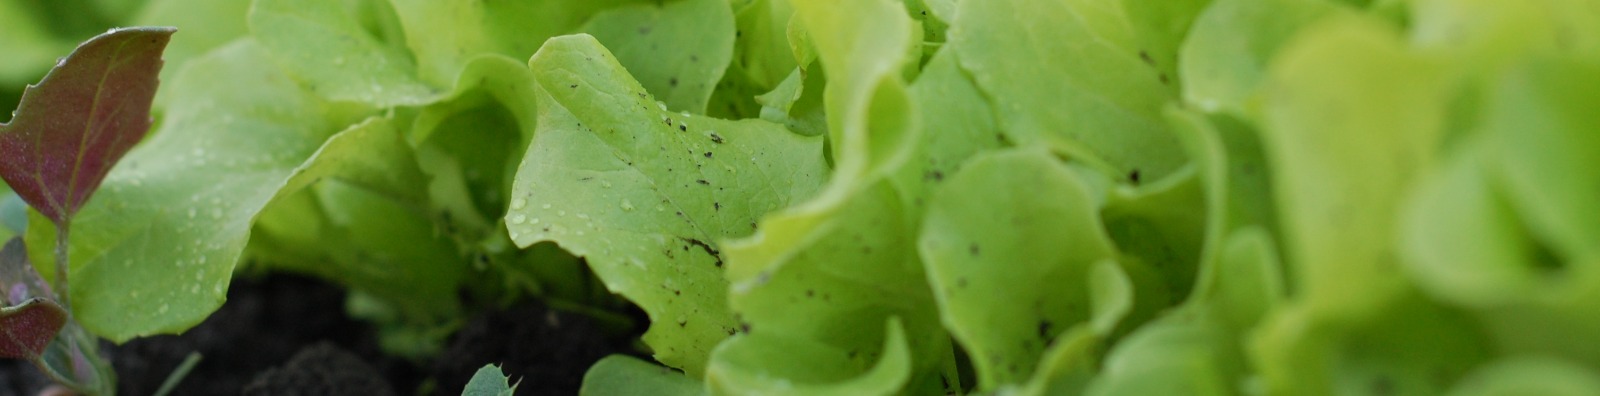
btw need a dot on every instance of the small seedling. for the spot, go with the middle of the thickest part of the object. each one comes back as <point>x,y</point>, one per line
<point>66,134</point>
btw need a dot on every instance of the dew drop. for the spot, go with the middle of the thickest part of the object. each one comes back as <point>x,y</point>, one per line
<point>518,204</point>
<point>627,206</point>
<point>162,310</point>
<point>515,235</point>
<point>518,219</point>
<point>547,206</point>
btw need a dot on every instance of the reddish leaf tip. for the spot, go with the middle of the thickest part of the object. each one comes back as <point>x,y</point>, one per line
<point>29,327</point>
<point>91,108</point>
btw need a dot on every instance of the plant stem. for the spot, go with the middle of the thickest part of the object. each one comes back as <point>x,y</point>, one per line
<point>63,290</point>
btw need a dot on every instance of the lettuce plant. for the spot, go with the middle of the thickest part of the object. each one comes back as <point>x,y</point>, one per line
<point>883,197</point>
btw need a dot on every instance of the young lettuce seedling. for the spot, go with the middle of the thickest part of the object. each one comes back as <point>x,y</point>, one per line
<point>66,134</point>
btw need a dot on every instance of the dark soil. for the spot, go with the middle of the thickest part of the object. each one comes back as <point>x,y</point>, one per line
<point>547,350</point>
<point>322,369</point>
<point>289,335</point>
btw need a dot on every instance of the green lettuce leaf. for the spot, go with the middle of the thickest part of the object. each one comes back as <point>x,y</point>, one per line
<point>621,375</point>
<point>677,51</point>
<point>647,195</point>
<point>1066,74</point>
<point>446,35</point>
<point>324,44</point>
<point>1226,55</point>
<point>1007,282</point>
<point>744,365</point>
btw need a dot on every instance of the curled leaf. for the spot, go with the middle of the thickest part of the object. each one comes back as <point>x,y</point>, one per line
<point>29,327</point>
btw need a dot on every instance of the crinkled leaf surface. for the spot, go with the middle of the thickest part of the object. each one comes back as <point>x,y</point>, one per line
<point>323,44</point>
<point>1483,231</point>
<point>678,51</point>
<point>157,254</point>
<point>362,225</point>
<point>1542,135</point>
<point>957,122</point>
<point>1299,351</point>
<point>1010,242</point>
<point>762,43</point>
<point>1349,117</point>
<point>1159,28</point>
<point>84,116</point>
<point>863,45</point>
<point>859,267</point>
<point>1066,73</point>
<point>447,35</point>
<point>621,375</point>
<point>1180,354</point>
<point>1226,54</point>
<point>647,195</point>
<point>744,365</point>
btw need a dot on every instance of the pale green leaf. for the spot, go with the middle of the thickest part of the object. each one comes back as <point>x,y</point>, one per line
<point>447,35</point>
<point>1010,242</point>
<point>856,269</point>
<point>1542,127</point>
<point>323,44</point>
<point>1066,74</point>
<point>957,122</point>
<point>1159,28</point>
<point>863,46</point>
<point>204,25</point>
<point>762,45</point>
<point>1411,346</point>
<point>1226,53</point>
<point>359,221</point>
<point>621,375</point>
<point>677,51</point>
<point>647,195</point>
<point>1183,353</point>
<point>1349,120</point>
<point>745,365</point>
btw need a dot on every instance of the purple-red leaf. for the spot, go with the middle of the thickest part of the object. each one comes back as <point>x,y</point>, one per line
<point>28,328</point>
<point>89,111</point>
